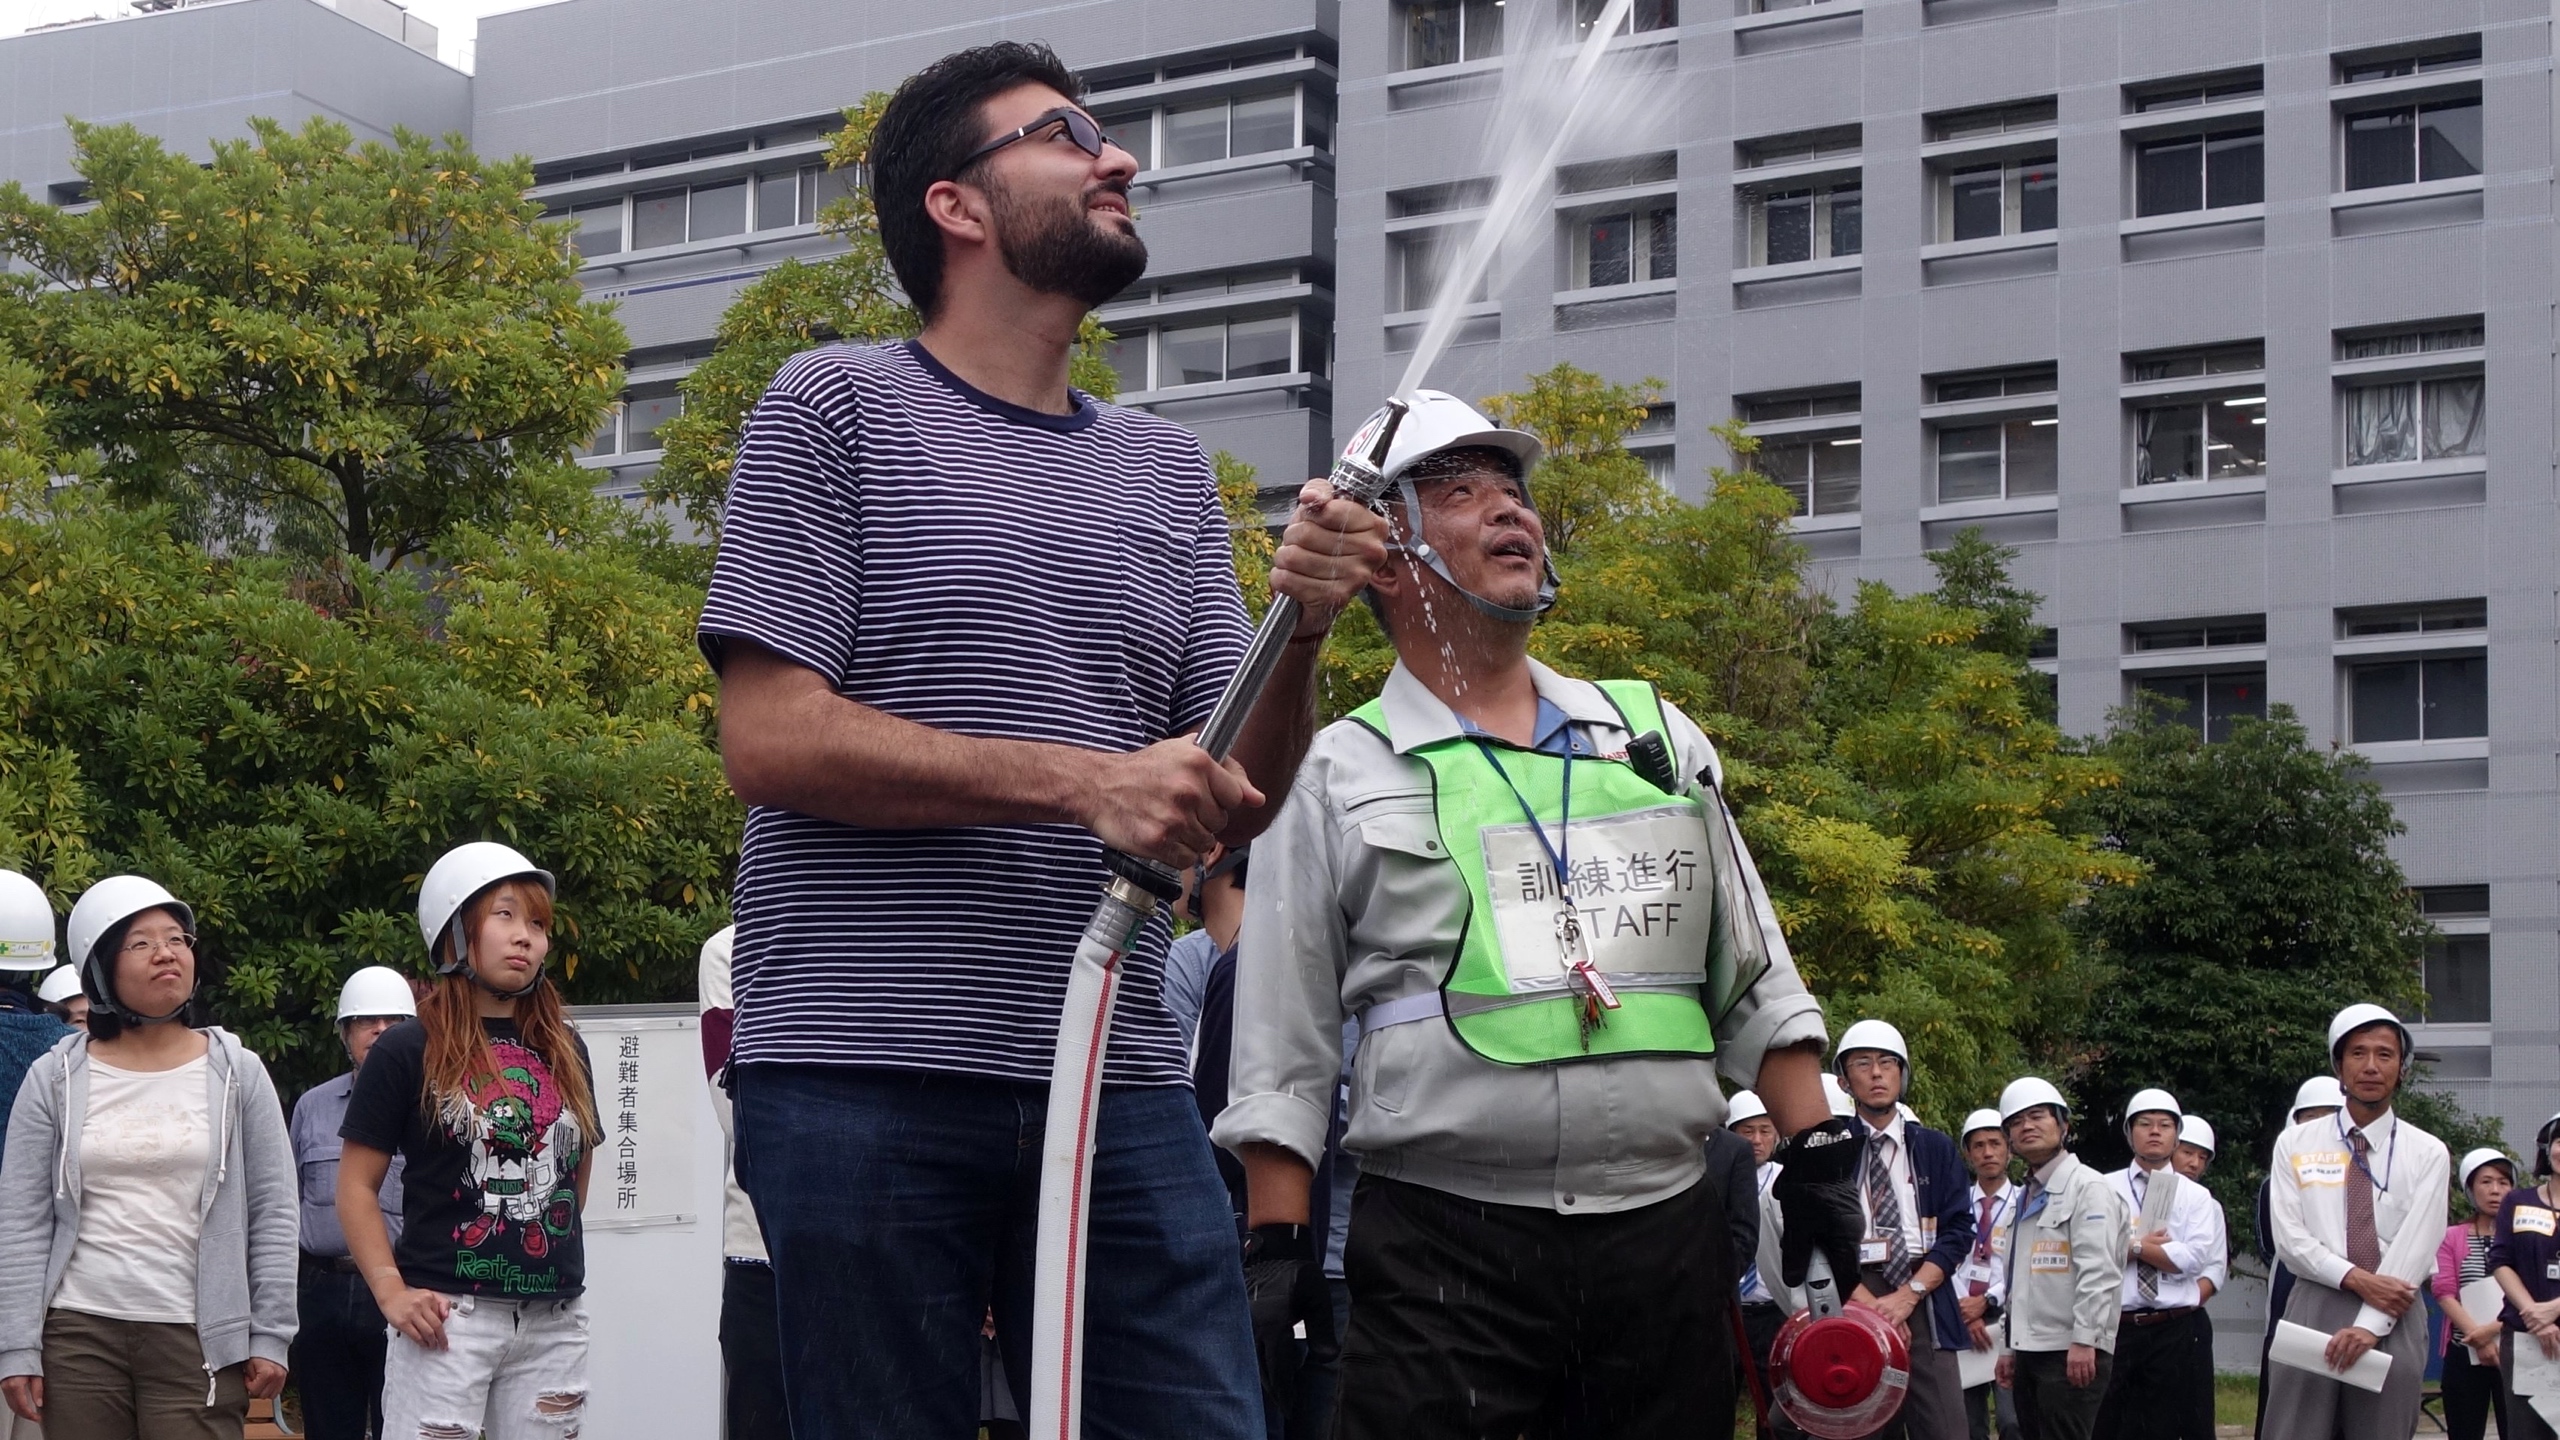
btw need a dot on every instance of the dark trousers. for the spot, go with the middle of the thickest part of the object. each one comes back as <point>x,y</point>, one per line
<point>2472,1393</point>
<point>2199,1424</point>
<point>1473,1321</point>
<point>751,1351</point>
<point>1990,1410</point>
<point>132,1380</point>
<point>1761,1323</point>
<point>2050,1407</point>
<point>337,1356</point>
<point>899,1204</point>
<point>2158,1375</point>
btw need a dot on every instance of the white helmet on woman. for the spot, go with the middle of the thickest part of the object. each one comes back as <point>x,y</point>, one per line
<point>2320,1092</point>
<point>454,882</point>
<point>103,911</point>
<point>2485,1155</point>
<point>59,986</point>
<point>375,990</point>
<point>26,924</point>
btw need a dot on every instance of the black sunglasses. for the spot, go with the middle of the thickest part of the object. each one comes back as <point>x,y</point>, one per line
<point>1081,129</point>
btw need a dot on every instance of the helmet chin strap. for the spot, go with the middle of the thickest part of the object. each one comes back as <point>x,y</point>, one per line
<point>1422,550</point>
<point>462,965</point>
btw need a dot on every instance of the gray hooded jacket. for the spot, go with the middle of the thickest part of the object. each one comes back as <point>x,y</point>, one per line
<point>245,1262</point>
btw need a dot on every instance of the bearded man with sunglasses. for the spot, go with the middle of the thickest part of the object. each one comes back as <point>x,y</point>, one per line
<point>965,618</point>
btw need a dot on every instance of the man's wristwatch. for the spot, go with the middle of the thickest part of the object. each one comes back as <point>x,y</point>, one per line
<point>1919,1289</point>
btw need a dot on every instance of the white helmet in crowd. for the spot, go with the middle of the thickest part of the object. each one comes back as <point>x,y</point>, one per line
<point>1870,1035</point>
<point>1745,1105</point>
<point>2320,1092</point>
<point>2197,1131</point>
<point>375,990</point>
<point>1978,1120</point>
<point>2028,1092</point>
<point>2145,1102</point>
<point>26,924</point>
<point>102,910</point>
<point>59,986</point>
<point>2364,1017</point>
<point>1842,1107</point>
<point>2485,1155</point>
<point>1441,421</point>
<point>454,882</point>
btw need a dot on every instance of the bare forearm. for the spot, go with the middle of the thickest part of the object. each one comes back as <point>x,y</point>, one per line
<point>1275,737</point>
<point>1790,1084</point>
<point>1276,1186</point>
<point>360,1172</point>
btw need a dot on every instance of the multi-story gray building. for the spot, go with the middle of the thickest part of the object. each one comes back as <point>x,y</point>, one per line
<point>2234,316</point>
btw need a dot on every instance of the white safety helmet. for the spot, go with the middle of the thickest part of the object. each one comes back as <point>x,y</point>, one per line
<point>375,990</point>
<point>59,986</point>
<point>26,924</point>
<point>2197,1131</point>
<point>1978,1120</point>
<point>1842,1107</point>
<point>1870,1035</point>
<point>2485,1155</point>
<point>2363,1017</point>
<point>101,911</point>
<point>1745,1105</point>
<point>2028,1092</point>
<point>2145,1102</point>
<point>2320,1092</point>
<point>1440,421</point>
<point>454,882</point>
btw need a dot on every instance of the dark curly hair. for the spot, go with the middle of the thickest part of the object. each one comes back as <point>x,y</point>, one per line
<point>924,135</point>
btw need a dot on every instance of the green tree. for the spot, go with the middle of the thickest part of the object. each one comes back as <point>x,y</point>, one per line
<point>2272,901</point>
<point>1586,480</point>
<point>335,349</point>
<point>800,305</point>
<point>290,756</point>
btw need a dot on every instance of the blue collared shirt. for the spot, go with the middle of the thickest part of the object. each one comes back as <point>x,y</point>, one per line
<point>1553,731</point>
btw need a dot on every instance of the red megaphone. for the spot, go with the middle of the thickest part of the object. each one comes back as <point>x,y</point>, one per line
<point>1840,1372</point>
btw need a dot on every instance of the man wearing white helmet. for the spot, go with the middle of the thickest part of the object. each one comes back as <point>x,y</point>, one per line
<point>1528,891</point>
<point>27,1029</point>
<point>2358,1202</point>
<point>2196,1144</point>
<point>2066,1271</point>
<point>2317,1098</point>
<point>2159,1379</point>
<point>63,997</point>
<point>1919,1227</point>
<point>338,1352</point>
<point>1982,1281</point>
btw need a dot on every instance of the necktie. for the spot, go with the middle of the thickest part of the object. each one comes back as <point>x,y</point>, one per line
<point>2364,1247</point>
<point>2146,1280</point>
<point>1886,1210</point>
<point>1982,1246</point>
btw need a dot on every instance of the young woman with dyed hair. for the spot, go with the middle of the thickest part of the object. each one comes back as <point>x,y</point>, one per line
<point>487,1095</point>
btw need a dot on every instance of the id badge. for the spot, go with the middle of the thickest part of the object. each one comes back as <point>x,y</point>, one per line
<point>2050,1257</point>
<point>2551,1271</point>
<point>1874,1251</point>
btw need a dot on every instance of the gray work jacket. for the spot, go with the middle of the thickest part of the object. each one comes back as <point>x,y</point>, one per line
<point>2066,1261</point>
<point>1353,903</point>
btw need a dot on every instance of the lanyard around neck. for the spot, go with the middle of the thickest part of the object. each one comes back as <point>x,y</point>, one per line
<point>2390,1157</point>
<point>1560,849</point>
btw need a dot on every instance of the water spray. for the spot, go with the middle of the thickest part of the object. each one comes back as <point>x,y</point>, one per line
<point>1137,886</point>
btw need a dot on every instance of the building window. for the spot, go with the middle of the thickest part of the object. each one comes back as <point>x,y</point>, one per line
<point>1995,458</point>
<point>2200,172</point>
<point>821,187</point>
<point>1819,471</point>
<point>1205,352</point>
<point>2402,144</point>
<point>1992,120</point>
<point>599,229</point>
<point>2183,94</point>
<point>1641,16</point>
<point>2431,698</point>
<point>1196,132</point>
<point>643,414</point>
<point>1811,223</point>
<point>2452,55</point>
<point>2210,702</point>
<point>2199,634</point>
<point>1621,247</point>
<point>1418,260</point>
<point>2400,420</point>
<point>2457,980</point>
<point>2214,436</point>
<point>1998,197</point>
<point>1444,32</point>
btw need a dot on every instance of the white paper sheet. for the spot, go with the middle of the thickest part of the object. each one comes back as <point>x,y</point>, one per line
<point>1974,1367</point>
<point>2483,1299</point>
<point>2536,1375</point>
<point>2304,1348</point>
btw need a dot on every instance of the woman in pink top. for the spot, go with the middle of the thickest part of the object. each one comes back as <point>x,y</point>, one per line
<point>2473,1383</point>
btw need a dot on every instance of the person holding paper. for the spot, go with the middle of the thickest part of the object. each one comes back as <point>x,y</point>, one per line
<point>2471,1300</point>
<point>2524,1258</point>
<point>2066,1271</point>
<point>2175,1239</point>
<point>2196,1144</point>
<point>1983,1278</point>
<point>2317,1099</point>
<point>2358,1205</point>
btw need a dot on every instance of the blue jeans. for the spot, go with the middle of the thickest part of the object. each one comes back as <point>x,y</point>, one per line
<point>899,1205</point>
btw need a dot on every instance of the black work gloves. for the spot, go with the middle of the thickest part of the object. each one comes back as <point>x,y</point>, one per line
<point>1284,1285</point>
<point>1817,1196</point>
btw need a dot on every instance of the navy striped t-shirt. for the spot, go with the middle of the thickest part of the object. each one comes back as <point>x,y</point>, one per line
<point>987,570</point>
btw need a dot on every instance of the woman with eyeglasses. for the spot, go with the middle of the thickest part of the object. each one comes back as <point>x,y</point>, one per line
<point>147,1221</point>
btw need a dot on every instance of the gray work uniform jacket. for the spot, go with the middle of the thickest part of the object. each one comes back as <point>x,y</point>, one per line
<point>2080,1230</point>
<point>1354,902</point>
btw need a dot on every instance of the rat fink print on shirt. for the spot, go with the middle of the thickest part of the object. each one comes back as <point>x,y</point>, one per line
<point>521,1152</point>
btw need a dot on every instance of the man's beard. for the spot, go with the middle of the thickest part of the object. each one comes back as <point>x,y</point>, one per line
<point>1054,247</point>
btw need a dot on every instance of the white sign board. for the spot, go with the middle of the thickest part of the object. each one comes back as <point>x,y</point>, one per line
<point>652,1228</point>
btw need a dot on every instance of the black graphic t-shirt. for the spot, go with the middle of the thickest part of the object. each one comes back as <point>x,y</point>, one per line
<point>488,1203</point>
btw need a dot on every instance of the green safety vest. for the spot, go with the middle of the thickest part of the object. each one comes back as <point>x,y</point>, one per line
<point>1642,881</point>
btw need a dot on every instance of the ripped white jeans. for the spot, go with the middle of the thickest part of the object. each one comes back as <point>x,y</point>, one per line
<point>510,1369</point>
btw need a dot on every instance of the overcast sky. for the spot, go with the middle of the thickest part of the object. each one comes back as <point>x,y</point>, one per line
<point>456,21</point>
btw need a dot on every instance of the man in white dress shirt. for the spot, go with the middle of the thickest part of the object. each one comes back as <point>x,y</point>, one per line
<point>2357,1202</point>
<point>2196,1144</point>
<point>2172,1244</point>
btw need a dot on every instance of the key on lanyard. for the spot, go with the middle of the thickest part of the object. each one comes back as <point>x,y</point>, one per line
<point>1596,994</point>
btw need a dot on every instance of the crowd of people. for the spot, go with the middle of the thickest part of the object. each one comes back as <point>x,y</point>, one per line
<point>1486,1099</point>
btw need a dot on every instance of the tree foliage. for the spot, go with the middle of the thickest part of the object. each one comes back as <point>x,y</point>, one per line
<point>2272,902</point>
<point>800,305</point>
<point>290,759</point>
<point>307,345</point>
